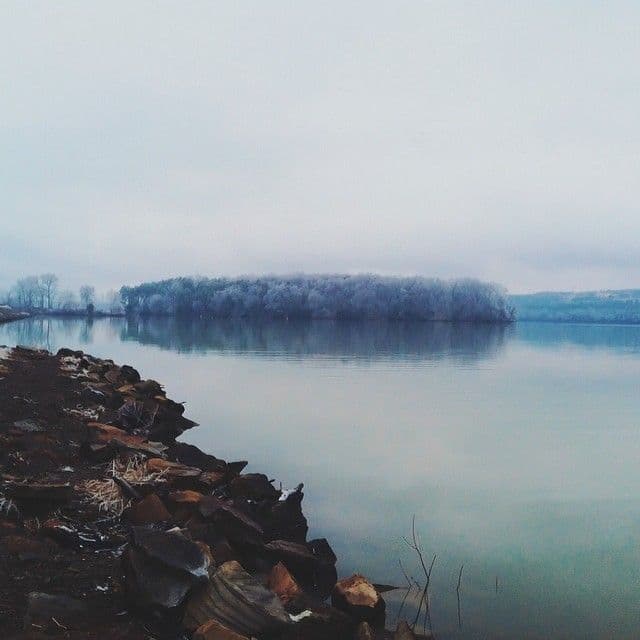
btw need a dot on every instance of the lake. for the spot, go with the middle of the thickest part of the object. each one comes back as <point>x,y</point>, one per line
<point>516,448</point>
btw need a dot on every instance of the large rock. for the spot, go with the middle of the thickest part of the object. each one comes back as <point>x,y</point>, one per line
<point>192,456</point>
<point>150,510</point>
<point>162,567</point>
<point>231,522</point>
<point>359,598</point>
<point>237,600</point>
<point>254,486</point>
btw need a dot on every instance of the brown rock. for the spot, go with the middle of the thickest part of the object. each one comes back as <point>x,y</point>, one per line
<point>107,434</point>
<point>185,497</point>
<point>283,584</point>
<point>359,598</point>
<point>172,469</point>
<point>150,510</point>
<point>213,630</point>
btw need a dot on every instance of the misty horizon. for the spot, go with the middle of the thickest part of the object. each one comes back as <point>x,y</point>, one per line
<point>146,141</point>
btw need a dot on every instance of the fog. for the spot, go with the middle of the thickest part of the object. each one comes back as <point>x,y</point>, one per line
<point>495,140</point>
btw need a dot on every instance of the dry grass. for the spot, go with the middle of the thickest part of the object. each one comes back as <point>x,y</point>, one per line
<point>107,495</point>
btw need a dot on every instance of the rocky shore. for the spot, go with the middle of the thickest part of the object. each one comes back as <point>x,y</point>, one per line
<point>7,314</point>
<point>111,529</point>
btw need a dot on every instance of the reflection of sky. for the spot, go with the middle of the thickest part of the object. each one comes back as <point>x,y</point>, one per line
<point>520,463</point>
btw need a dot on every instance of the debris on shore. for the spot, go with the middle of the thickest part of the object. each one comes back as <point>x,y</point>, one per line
<point>8,314</point>
<point>111,529</point>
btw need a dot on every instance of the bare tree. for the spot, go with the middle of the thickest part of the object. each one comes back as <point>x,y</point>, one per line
<point>49,282</point>
<point>87,294</point>
<point>28,292</point>
<point>67,301</point>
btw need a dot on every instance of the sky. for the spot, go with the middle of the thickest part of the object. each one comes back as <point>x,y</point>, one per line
<point>497,140</point>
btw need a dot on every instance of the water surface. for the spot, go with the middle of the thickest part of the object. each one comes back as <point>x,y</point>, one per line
<point>516,448</point>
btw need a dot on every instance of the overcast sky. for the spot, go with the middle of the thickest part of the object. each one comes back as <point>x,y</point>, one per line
<point>499,140</point>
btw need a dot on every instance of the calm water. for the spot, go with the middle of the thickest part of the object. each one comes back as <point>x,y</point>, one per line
<point>517,449</point>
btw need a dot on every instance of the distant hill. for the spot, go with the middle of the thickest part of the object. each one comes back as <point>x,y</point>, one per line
<point>621,306</point>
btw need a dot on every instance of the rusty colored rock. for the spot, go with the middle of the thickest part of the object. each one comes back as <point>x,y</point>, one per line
<point>108,434</point>
<point>359,598</point>
<point>172,469</point>
<point>150,510</point>
<point>283,584</point>
<point>213,630</point>
<point>186,497</point>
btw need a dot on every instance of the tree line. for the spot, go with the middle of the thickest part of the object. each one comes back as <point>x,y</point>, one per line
<point>322,296</point>
<point>43,293</point>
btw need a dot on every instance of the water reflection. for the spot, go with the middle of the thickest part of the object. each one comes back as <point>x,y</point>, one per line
<point>320,338</point>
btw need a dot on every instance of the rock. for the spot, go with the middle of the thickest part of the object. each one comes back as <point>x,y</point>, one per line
<point>118,439</point>
<point>213,630</point>
<point>174,550</point>
<point>212,479</point>
<point>53,612</point>
<point>39,492</point>
<point>185,497</point>
<point>359,598</point>
<point>364,632</point>
<point>162,567</point>
<point>285,519</point>
<point>239,601</point>
<point>150,510</point>
<point>234,524</point>
<point>283,584</point>
<point>149,388</point>
<point>184,504</point>
<point>326,575</point>
<point>254,486</point>
<point>172,470</point>
<point>130,375</point>
<point>312,566</point>
<point>193,457</point>
<point>151,584</point>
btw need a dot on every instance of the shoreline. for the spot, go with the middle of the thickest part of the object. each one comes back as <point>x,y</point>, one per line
<point>102,511</point>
